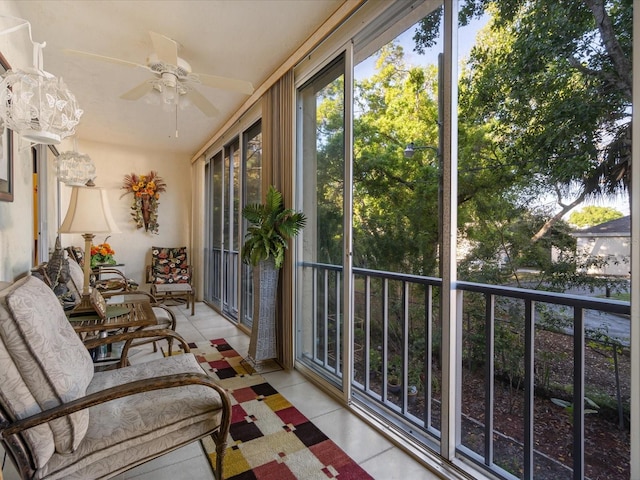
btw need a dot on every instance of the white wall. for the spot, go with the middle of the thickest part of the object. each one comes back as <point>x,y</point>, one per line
<point>16,218</point>
<point>615,250</point>
<point>133,245</point>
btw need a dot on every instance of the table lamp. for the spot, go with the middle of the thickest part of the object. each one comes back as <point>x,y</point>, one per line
<point>88,214</point>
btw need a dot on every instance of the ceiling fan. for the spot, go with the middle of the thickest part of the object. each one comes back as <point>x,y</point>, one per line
<point>173,78</point>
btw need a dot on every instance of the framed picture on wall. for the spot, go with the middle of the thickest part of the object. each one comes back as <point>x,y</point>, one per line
<point>6,165</point>
<point>6,153</point>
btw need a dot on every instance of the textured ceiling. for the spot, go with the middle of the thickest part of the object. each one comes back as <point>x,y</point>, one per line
<point>242,39</point>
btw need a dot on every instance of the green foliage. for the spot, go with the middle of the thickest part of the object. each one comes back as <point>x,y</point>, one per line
<point>394,195</point>
<point>375,361</point>
<point>593,215</point>
<point>568,406</point>
<point>271,227</point>
<point>549,85</point>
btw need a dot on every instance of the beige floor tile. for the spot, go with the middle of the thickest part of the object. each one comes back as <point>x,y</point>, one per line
<point>309,399</point>
<point>188,454</point>
<point>394,464</point>
<point>372,451</point>
<point>353,435</point>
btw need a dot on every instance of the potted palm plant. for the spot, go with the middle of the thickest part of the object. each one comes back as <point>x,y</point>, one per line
<point>271,227</point>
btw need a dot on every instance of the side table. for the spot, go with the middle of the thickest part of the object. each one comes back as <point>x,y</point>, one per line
<point>133,314</point>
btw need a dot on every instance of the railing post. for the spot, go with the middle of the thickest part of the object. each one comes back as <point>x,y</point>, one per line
<point>489,328</point>
<point>578,393</point>
<point>451,332</point>
<point>529,357</point>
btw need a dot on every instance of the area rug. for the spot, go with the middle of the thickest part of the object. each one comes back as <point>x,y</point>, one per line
<point>270,438</point>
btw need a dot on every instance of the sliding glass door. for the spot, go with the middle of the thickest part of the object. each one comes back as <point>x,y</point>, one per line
<point>233,178</point>
<point>252,175</point>
<point>215,201</point>
<point>321,120</point>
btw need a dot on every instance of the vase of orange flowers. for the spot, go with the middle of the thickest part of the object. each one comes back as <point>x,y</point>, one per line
<point>102,254</point>
<point>146,191</point>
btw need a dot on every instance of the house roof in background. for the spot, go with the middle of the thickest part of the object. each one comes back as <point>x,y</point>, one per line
<point>620,227</point>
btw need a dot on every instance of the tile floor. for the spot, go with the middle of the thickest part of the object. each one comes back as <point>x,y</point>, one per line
<point>378,456</point>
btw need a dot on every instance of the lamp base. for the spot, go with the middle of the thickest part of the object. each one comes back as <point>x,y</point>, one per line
<point>84,307</point>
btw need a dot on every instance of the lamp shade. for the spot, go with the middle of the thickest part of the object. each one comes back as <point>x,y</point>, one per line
<point>88,212</point>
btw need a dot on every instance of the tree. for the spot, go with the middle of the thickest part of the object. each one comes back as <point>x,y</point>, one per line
<point>552,83</point>
<point>593,215</point>
<point>395,212</point>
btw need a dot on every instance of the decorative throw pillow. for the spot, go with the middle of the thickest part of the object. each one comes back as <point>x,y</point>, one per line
<point>77,254</point>
<point>55,365</point>
<point>169,265</point>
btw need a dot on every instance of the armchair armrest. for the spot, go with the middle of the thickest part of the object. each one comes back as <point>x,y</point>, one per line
<point>131,293</point>
<point>129,337</point>
<point>128,389</point>
<point>119,284</point>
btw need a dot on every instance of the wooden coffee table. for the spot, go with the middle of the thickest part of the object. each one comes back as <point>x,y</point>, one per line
<point>132,314</point>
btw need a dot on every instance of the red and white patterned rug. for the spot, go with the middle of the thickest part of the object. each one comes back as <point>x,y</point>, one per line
<point>270,438</point>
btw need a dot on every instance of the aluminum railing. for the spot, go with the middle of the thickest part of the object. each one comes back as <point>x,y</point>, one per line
<point>397,330</point>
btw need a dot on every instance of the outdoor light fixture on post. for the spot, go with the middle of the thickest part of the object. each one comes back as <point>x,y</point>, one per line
<point>410,150</point>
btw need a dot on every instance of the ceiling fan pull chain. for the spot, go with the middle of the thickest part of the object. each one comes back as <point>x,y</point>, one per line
<point>176,119</point>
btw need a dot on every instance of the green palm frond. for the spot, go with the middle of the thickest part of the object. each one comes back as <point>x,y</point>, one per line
<point>271,227</point>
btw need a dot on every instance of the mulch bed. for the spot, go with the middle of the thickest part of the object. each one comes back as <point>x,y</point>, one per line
<point>607,445</point>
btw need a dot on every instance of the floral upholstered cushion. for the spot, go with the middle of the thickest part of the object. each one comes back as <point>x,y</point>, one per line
<point>139,426</point>
<point>169,265</point>
<point>51,359</point>
<point>20,403</point>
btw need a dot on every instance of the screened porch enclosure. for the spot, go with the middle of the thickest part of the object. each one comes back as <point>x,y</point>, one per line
<point>423,294</point>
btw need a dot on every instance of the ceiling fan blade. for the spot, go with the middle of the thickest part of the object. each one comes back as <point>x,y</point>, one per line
<point>102,58</point>
<point>138,92</point>
<point>165,48</point>
<point>225,83</point>
<point>202,103</point>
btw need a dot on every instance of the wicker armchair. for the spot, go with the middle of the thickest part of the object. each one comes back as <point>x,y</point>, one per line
<point>60,419</point>
<point>171,276</point>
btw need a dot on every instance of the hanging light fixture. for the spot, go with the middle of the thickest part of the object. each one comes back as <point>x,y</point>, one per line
<point>35,104</point>
<point>74,168</point>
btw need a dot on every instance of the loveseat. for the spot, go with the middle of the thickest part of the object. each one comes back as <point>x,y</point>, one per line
<point>61,419</point>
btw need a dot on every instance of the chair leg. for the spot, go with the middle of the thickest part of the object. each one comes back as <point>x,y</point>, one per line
<point>221,448</point>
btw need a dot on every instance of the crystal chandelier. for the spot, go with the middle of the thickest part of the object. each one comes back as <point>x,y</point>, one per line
<point>35,104</point>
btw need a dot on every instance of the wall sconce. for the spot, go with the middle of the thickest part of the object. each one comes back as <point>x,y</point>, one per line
<point>35,104</point>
